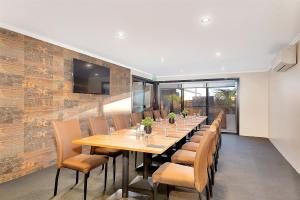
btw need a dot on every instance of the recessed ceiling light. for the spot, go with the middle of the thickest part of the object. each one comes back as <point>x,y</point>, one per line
<point>218,54</point>
<point>88,65</point>
<point>223,68</point>
<point>205,20</point>
<point>121,35</point>
<point>162,59</point>
<point>181,70</point>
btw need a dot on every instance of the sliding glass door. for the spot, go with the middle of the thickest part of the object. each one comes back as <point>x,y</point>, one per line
<point>223,96</point>
<point>207,97</point>
<point>143,97</point>
<point>138,96</point>
<point>194,96</point>
<point>170,97</point>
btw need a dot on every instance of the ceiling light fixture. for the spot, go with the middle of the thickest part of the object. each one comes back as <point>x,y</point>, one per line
<point>205,20</point>
<point>162,59</point>
<point>121,35</point>
<point>218,54</point>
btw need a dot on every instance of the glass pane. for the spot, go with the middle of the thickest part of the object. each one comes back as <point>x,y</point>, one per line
<point>149,96</point>
<point>195,100</point>
<point>170,97</point>
<point>137,97</point>
<point>223,98</point>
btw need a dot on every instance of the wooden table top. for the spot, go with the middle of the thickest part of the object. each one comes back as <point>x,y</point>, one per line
<point>156,143</point>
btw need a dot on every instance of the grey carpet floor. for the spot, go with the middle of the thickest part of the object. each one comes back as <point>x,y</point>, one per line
<point>249,168</point>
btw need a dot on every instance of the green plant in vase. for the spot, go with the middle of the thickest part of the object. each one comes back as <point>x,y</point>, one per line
<point>147,122</point>
<point>185,112</point>
<point>171,117</point>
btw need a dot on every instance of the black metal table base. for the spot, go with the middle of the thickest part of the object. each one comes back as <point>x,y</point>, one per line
<point>139,184</point>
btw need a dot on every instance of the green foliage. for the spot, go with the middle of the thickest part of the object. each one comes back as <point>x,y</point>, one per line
<point>171,115</point>
<point>174,98</point>
<point>185,112</point>
<point>148,121</point>
<point>226,97</point>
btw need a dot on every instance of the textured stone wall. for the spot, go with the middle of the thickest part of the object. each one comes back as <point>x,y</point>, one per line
<point>36,88</point>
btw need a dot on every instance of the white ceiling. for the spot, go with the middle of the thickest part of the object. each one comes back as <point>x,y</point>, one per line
<point>247,32</point>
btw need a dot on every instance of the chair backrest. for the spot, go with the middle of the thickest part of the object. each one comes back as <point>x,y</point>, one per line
<point>164,114</point>
<point>121,121</point>
<point>200,163</point>
<point>136,118</point>
<point>65,132</point>
<point>194,111</point>
<point>211,133</point>
<point>98,125</point>
<point>156,114</point>
<point>148,114</point>
<point>214,130</point>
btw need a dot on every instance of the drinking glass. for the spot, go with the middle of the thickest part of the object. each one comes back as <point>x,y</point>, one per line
<point>111,130</point>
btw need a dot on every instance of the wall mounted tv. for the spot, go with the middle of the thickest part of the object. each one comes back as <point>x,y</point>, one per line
<point>90,78</point>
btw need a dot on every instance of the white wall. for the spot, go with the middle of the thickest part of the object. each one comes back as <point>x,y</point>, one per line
<point>285,113</point>
<point>253,100</point>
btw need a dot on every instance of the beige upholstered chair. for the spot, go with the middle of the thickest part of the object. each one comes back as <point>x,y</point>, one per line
<point>70,155</point>
<point>148,114</point>
<point>121,121</point>
<point>136,118</point>
<point>99,125</point>
<point>187,157</point>
<point>157,114</point>
<point>215,127</point>
<point>198,134</point>
<point>186,176</point>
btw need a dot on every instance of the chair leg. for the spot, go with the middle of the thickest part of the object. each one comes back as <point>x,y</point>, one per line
<point>199,195</point>
<point>155,185</point>
<point>102,167</point>
<point>86,176</point>
<point>168,191</point>
<point>114,169</point>
<point>216,162</point>
<point>56,181</point>
<point>207,192</point>
<point>105,177</point>
<point>77,175</point>
<point>212,171</point>
<point>135,160</point>
<point>209,183</point>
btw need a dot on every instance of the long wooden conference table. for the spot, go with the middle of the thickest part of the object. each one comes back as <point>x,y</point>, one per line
<point>163,136</point>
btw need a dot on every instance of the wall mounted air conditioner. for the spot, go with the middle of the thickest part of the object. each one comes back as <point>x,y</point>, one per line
<point>286,59</point>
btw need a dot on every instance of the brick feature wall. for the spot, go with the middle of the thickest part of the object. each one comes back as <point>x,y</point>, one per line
<point>36,88</point>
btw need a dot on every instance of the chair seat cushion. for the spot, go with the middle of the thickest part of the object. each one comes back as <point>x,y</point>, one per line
<point>199,133</point>
<point>174,174</point>
<point>190,146</point>
<point>196,138</point>
<point>205,126</point>
<point>84,163</point>
<point>107,151</point>
<point>184,157</point>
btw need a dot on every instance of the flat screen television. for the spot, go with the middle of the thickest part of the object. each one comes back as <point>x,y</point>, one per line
<point>90,78</point>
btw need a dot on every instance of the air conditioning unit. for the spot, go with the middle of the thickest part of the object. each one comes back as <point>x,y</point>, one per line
<point>286,59</point>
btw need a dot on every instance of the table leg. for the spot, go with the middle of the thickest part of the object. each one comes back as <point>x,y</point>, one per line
<point>125,174</point>
<point>147,161</point>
